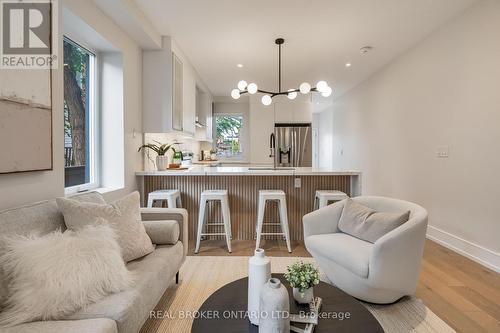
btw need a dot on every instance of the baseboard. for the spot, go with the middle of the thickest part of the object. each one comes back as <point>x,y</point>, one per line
<point>479,254</point>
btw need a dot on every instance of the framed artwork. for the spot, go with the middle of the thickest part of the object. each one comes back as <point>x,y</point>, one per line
<point>26,97</point>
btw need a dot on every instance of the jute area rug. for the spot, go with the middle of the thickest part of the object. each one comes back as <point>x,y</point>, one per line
<point>201,276</point>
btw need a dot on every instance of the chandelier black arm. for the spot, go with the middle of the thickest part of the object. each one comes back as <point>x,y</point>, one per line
<point>276,93</point>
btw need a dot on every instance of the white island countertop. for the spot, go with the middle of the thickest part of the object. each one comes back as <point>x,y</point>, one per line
<point>198,170</point>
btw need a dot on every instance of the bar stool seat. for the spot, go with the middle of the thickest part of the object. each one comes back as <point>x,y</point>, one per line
<point>172,197</point>
<point>273,195</point>
<point>324,196</point>
<point>223,197</point>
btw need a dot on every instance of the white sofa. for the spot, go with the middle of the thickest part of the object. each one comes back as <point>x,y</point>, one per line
<point>381,272</point>
<point>126,311</point>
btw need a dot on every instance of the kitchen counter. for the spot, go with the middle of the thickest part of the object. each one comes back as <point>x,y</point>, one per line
<point>198,170</point>
<point>243,185</point>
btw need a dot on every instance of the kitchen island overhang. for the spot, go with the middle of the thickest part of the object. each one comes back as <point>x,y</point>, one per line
<point>243,185</point>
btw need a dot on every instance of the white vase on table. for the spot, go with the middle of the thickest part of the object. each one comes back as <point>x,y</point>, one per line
<point>303,298</point>
<point>259,272</point>
<point>274,308</point>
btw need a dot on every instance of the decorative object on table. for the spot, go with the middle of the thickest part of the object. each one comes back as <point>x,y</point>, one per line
<point>274,308</point>
<point>213,156</point>
<point>161,149</point>
<point>310,319</point>
<point>259,272</point>
<point>304,88</point>
<point>302,277</point>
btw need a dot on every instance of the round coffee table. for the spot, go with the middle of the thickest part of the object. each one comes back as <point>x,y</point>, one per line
<point>224,311</point>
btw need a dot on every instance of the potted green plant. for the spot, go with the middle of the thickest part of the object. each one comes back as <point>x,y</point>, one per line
<point>161,149</point>
<point>302,277</point>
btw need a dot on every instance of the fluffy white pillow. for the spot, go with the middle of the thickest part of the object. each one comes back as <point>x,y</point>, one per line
<point>123,215</point>
<point>52,276</point>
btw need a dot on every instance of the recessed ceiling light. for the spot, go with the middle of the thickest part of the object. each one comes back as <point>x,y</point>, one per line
<point>239,65</point>
<point>348,65</point>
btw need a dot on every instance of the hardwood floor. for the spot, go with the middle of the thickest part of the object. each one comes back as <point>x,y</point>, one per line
<point>463,293</point>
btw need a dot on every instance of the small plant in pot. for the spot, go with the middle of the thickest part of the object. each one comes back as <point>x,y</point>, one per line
<point>161,149</point>
<point>302,277</point>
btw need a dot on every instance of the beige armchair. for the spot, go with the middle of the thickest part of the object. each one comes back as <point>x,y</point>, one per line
<point>380,272</point>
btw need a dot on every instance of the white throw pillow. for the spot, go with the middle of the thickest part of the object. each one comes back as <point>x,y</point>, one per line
<point>52,276</point>
<point>123,215</point>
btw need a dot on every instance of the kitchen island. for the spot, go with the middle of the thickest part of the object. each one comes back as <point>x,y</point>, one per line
<point>243,185</point>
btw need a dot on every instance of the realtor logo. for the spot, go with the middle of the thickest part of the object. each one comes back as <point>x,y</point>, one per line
<point>28,34</point>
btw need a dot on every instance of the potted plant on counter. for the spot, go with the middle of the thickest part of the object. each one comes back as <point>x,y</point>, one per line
<point>161,149</point>
<point>302,277</point>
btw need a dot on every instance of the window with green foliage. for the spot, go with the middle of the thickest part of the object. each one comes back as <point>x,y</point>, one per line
<point>228,136</point>
<point>79,116</point>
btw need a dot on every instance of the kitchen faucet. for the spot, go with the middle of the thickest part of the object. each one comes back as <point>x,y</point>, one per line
<point>272,148</point>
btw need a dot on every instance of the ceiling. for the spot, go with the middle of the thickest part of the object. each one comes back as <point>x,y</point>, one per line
<point>321,36</point>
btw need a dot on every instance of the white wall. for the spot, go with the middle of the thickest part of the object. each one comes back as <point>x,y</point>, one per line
<point>443,92</point>
<point>325,139</point>
<point>18,189</point>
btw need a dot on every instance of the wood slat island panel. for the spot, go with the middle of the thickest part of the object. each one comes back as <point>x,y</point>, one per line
<point>243,198</point>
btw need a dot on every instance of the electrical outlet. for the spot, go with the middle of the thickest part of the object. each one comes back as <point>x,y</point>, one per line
<point>298,183</point>
<point>443,151</point>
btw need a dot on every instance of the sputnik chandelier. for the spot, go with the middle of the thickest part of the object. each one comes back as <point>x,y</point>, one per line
<point>304,88</point>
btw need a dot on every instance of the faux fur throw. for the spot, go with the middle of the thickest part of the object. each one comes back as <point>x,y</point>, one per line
<point>52,276</point>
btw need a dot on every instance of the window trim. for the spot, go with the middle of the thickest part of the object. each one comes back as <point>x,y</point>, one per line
<point>94,112</point>
<point>243,158</point>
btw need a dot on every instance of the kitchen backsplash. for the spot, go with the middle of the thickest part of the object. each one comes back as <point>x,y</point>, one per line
<point>183,143</point>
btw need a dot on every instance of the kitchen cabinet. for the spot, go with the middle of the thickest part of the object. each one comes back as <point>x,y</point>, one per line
<point>169,91</point>
<point>177,93</point>
<point>204,113</point>
<point>293,112</point>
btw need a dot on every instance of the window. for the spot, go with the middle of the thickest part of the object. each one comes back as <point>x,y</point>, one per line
<point>80,119</point>
<point>228,137</point>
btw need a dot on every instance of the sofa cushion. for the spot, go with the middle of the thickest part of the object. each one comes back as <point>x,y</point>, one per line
<point>123,215</point>
<point>100,325</point>
<point>162,232</point>
<point>349,252</point>
<point>366,223</point>
<point>130,308</point>
<point>52,276</point>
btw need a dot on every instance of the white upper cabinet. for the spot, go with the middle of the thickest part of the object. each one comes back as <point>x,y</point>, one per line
<point>204,112</point>
<point>295,111</point>
<point>178,121</point>
<point>169,90</point>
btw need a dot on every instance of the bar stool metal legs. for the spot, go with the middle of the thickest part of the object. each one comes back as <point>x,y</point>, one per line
<point>214,195</point>
<point>274,195</point>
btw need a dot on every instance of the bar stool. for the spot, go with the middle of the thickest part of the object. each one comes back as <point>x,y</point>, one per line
<point>214,195</point>
<point>172,197</point>
<point>324,196</point>
<point>273,195</point>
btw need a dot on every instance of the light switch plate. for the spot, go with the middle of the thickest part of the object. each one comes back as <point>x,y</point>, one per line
<point>298,183</point>
<point>443,151</point>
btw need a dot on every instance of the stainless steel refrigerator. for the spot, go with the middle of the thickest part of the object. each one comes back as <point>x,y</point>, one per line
<point>293,145</point>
